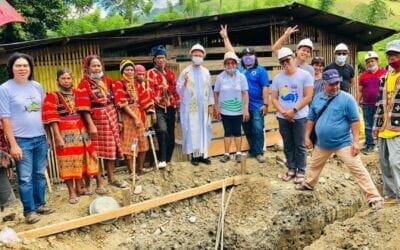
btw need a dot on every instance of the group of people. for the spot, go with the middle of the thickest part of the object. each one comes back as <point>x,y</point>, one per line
<point>106,120</point>
<point>316,110</point>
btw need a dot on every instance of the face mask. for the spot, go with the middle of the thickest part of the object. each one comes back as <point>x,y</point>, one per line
<point>341,59</point>
<point>96,76</point>
<point>249,60</point>
<point>230,71</point>
<point>395,65</point>
<point>372,68</point>
<point>197,60</point>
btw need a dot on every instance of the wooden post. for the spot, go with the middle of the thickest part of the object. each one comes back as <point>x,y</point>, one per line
<point>243,165</point>
<point>126,201</point>
<point>131,209</point>
<point>133,148</point>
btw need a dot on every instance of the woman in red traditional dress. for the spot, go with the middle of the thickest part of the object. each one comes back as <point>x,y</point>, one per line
<point>133,102</point>
<point>75,153</point>
<point>105,136</point>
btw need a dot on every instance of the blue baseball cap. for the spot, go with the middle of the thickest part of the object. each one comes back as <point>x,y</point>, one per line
<point>331,76</point>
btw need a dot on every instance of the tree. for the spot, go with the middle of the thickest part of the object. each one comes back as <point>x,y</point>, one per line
<point>92,22</point>
<point>325,5</point>
<point>131,10</point>
<point>377,11</point>
<point>40,16</point>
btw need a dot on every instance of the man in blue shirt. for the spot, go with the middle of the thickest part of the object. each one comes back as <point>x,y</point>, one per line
<point>258,82</point>
<point>337,130</point>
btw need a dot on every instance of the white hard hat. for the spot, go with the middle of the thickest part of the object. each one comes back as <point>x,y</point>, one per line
<point>197,46</point>
<point>340,47</point>
<point>393,46</point>
<point>284,52</point>
<point>371,54</point>
<point>231,55</point>
<point>305,42</point>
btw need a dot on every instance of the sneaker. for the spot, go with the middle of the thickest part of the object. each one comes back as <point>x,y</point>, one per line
<point>367,150</point>
<point>45,210</point>
<point>194,161</point>
<point>225,158</point>
<point>260,158</point>
<point>162,164</point>
<point>206,161</point>
<point>32,218</point>
<point>238,158</point>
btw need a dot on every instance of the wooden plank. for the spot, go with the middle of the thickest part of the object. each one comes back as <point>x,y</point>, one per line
<point>131,209</point>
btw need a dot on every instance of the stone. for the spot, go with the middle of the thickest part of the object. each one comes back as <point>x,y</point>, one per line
<point>168,213</point>
<point>157,232</point>
<point>138,189</point>
<point>192,219</point>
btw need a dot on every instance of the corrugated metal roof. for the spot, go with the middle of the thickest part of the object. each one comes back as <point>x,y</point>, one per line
<point>294,13</point>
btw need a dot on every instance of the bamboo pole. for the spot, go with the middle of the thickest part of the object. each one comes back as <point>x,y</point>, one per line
<point>131,209</point>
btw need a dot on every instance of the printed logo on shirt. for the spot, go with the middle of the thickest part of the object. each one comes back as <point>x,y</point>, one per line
<point>253,73</point>
<point>286,96</point>
<point>34,106</point>
<point>232,105</point>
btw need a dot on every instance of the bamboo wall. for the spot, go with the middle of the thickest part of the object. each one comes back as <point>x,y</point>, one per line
<point>49,60</point>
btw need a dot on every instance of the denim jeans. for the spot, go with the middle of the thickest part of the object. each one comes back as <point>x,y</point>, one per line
<point>254,130</point>
<point>165,131</point>
<point>368,114</point>
<point>31,172</point>
<point>293,144</point>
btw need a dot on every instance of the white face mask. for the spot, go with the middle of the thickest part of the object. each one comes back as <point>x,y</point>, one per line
<point>96,76</point>
<point>197,60</point>
<point>230,71</point>
<point>372,68</point>
<point>341,59</point>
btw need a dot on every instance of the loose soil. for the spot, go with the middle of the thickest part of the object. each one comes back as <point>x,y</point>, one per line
<point>263,213</point>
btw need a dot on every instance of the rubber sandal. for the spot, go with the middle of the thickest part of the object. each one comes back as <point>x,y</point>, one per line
<point>101,191</point>
<point>376,203</point>
<point>288,176</point>
<point>32,218</point>
<point>303,187</point>
<point>299,178</point>
<point>85,191</point>
<point>119,184</point>
<point>45,210</point>
<point>73,200</point>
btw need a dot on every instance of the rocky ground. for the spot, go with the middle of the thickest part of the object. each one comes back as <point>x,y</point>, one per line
<point>264,212</point>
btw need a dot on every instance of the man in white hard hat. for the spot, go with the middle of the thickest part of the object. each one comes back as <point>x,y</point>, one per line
<point>303,50</point>
<point>346,71</point>
<point>291,92</point>
<point>231,104</point>
<point>258,81</point>
<point>387,124</point>
<point>194,89</point>
<point>368,90</point>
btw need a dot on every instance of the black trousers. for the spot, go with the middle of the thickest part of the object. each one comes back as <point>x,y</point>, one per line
<point>165,131</point>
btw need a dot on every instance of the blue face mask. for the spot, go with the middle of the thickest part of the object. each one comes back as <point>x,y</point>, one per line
<point>341,59</point>
<point>249,60</point>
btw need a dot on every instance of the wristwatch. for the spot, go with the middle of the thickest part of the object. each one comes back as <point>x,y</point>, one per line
<point>295,110</point>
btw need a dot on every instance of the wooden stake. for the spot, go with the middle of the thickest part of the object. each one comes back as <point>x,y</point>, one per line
<point>243,165</point>
<point>131,209</point>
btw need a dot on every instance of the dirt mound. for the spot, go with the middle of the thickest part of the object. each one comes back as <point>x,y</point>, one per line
<point>265,212</point>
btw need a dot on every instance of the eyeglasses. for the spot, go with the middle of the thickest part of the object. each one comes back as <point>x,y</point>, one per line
<point>284,61</point>
<point>230,63</point>
<point>341,53</point>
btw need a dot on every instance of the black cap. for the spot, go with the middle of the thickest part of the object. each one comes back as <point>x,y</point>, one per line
<point>250,51</point>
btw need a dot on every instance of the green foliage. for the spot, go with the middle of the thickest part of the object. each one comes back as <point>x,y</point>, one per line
<point>377,11</point>
<point>170,14</point>
<point>325,5</point>
<point>92,22</point>
<point>40,16</point>
<point>131,10</point>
